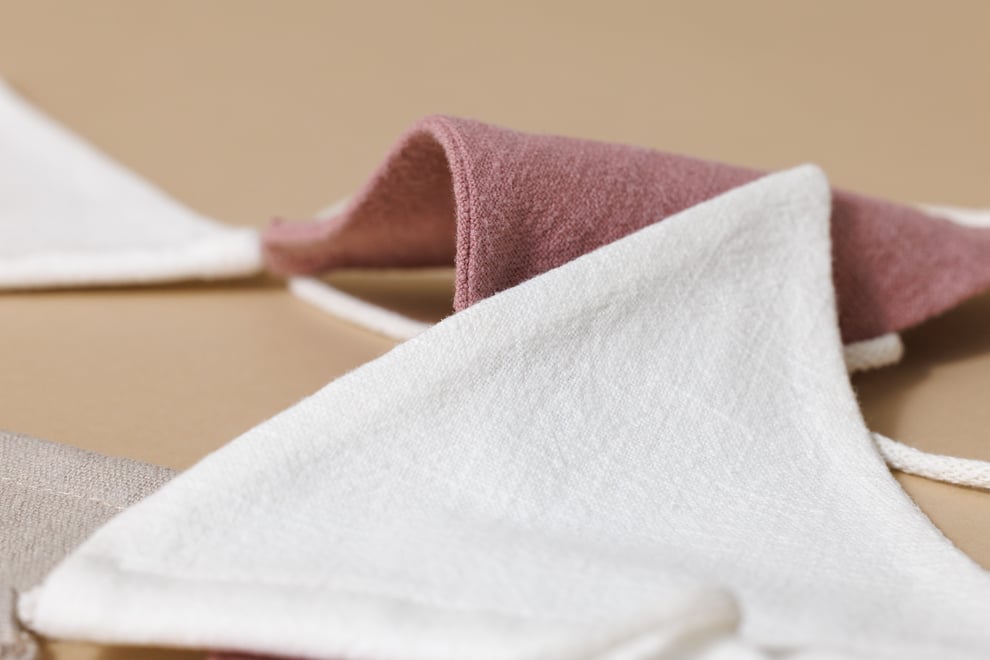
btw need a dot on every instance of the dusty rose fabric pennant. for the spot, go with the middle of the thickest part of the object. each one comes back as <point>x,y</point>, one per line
<point>505,206</point>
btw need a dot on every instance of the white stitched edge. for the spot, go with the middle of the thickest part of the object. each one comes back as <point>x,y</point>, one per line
<point>232,254</point>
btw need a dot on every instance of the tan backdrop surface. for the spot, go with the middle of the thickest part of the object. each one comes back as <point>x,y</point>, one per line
<point>245,109</point>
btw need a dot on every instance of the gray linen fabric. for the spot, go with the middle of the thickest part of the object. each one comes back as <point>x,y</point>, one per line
<point>52,497</point>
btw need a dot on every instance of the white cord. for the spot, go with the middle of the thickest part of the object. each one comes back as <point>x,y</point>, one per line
<point>354,310</point>
<point>950,469</point>
<point>873,353</point>
<point>960,216</point>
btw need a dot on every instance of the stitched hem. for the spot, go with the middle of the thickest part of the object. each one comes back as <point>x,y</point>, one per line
<point>271,618</point>
<point>61,493</point>
<point>232,255</point>
<point>464,213</point>
<point>62,470</point>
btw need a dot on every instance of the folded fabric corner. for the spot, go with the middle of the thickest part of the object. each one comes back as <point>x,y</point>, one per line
<point>72,217</point>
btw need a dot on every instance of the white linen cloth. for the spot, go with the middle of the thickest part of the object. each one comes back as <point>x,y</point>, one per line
<point>71,216</point>
<point>562,476</point>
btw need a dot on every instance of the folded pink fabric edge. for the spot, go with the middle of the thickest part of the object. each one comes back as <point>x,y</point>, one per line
<point>503,206</point>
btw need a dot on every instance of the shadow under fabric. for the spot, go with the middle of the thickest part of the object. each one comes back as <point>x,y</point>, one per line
<point>54,496</point>
<point>505,206</point>
<point>669,462</point>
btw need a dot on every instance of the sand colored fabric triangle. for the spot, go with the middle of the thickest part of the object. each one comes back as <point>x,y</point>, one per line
<point>70,216</point>
<point>668,461</point>
<point>52,497</point>
<point>506,206</point>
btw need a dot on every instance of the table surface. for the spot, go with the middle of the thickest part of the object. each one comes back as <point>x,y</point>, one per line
<point>246,109</point>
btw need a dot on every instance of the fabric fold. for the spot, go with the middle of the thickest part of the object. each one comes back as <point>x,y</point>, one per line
<point>72,217</point>
<point>672,447</point>
<point>505,206</point>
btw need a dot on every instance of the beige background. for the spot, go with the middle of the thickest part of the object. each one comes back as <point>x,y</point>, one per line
<point>248,109</point>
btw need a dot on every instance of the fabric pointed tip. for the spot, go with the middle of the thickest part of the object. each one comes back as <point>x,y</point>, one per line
<point>72,217</point>
<point>811,180</point>
<point>285,230</point>
<point>288,247</point>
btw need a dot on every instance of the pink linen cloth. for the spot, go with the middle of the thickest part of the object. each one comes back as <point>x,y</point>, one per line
<point>504,206</point>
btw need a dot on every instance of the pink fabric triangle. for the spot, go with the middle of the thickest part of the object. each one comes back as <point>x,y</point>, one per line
<point>504,206</point>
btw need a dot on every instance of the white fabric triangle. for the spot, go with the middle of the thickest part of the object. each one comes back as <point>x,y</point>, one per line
<point>548,476</point>
<point>70,216</point>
